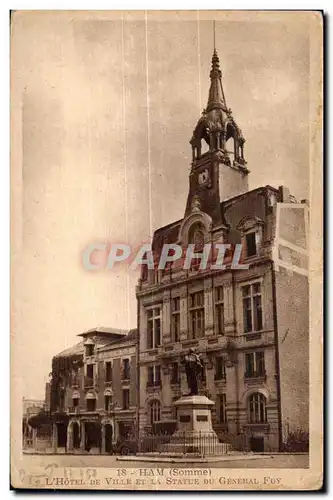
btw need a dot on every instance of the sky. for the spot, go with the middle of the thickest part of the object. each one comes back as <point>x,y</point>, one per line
<point>105,106</point>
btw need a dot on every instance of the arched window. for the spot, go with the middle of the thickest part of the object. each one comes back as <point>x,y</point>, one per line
<point>197,236</point>
<point>257,408</point>
<point>230,140</point>
<point>155,411</point>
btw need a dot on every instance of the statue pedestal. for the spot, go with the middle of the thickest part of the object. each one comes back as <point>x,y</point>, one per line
<point>194,416</point>
<point>195,434</point>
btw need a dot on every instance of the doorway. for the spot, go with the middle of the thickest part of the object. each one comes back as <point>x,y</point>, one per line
<point>93,435</point>
<point>76,435</point>
<point>257,444</point>
<point>62,435</point>
<point>108,438</point>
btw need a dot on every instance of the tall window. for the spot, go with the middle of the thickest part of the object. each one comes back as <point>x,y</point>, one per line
<point>219,311</point>
<point>197,314</point>
<point>219,368</point>
<point>255,364</point>
<point>257,408</point>
<point>107,402</point>
<point>155,411</point>
<point>154,376</point>
<point>89,379</point>
<point>91,404</point>
<point>108,371</point>
<point>125,399</point>
<point>251,246</point>
<point>126,369</point>
<point>222,409</point>
<point>76,401</point>
<point>154,328</point>
<point>252,308</point>
<point>175,319</point>
<point>174,373</point>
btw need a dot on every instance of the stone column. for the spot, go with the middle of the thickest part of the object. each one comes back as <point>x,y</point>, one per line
<point>208,301</point>
<point>54,437</point>
<point>166,386</point>
<point>183,314</point>
<point>116,431</point>
<point>143,327</point>
<point>70,437</point>
<point>229,316</point>
<point>83,436</point>
<point>166,312</point>
<point>103,437</point>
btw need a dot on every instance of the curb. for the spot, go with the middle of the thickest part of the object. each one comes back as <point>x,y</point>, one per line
<point>181,460</point>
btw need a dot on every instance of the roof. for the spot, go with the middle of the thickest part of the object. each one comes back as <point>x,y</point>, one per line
<point>130,337</point>
<point>105,331</point>
<point>71,351</point>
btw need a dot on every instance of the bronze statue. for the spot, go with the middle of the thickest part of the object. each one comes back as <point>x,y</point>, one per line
<point>194,369</point>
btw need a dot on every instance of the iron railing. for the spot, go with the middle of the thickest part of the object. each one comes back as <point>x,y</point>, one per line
<point>183,444</point>
<point>88,382</point>
<point>255,374</point>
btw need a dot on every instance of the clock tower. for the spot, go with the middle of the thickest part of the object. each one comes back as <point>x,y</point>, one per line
<point>218,169</point>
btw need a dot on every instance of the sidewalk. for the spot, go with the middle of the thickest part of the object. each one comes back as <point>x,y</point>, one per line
<point>190,459</point>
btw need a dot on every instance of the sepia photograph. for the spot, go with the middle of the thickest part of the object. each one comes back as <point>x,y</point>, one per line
<point>166,250</point>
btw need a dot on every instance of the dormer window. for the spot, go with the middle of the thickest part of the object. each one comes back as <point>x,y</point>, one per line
<point>251,230</point>
<point>251,246</point>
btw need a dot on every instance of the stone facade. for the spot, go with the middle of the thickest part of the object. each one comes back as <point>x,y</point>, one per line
<point>96,392</point>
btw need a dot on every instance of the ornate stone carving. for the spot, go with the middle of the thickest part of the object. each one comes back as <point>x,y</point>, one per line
<point>196,204</point>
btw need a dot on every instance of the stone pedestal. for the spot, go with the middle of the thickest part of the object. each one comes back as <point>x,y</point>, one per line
<point>195,434</point>
<point>194,416</point>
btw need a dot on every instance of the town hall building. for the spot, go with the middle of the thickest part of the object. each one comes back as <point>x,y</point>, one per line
<point>250,325</point>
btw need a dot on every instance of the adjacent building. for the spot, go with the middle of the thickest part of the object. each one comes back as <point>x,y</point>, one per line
<point>94,391</point>
<point>250,325</point>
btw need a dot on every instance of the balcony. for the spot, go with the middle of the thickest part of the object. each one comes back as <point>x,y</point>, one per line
<point>153,385</point>
<point>255,376</point>
<point>73,410</point>
<point>88,382</point>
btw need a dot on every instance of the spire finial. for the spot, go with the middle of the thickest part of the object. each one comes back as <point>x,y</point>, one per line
<point>216,97</point>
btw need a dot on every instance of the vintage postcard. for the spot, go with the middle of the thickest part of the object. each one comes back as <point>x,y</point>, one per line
<point>166,250</point>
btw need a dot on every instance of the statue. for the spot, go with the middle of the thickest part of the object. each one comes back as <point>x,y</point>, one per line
<point>194,371</point>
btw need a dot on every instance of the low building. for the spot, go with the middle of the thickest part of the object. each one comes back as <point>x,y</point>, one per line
<point>94,391</point>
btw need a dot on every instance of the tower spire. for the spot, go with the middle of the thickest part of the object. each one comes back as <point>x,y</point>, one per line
<point>216,98</point>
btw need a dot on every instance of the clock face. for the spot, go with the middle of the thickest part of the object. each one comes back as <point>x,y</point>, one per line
<point>203,177</point>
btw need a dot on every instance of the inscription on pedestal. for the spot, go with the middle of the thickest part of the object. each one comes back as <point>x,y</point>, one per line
<point>185,418</point>
<point>202,418</point>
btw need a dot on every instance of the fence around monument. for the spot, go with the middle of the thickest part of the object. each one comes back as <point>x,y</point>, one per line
<point>183,444</point>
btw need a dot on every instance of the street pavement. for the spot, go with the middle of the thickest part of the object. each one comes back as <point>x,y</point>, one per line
<point>283,461</point>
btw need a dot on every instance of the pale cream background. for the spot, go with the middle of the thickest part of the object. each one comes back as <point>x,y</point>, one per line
<point>108,106</point>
